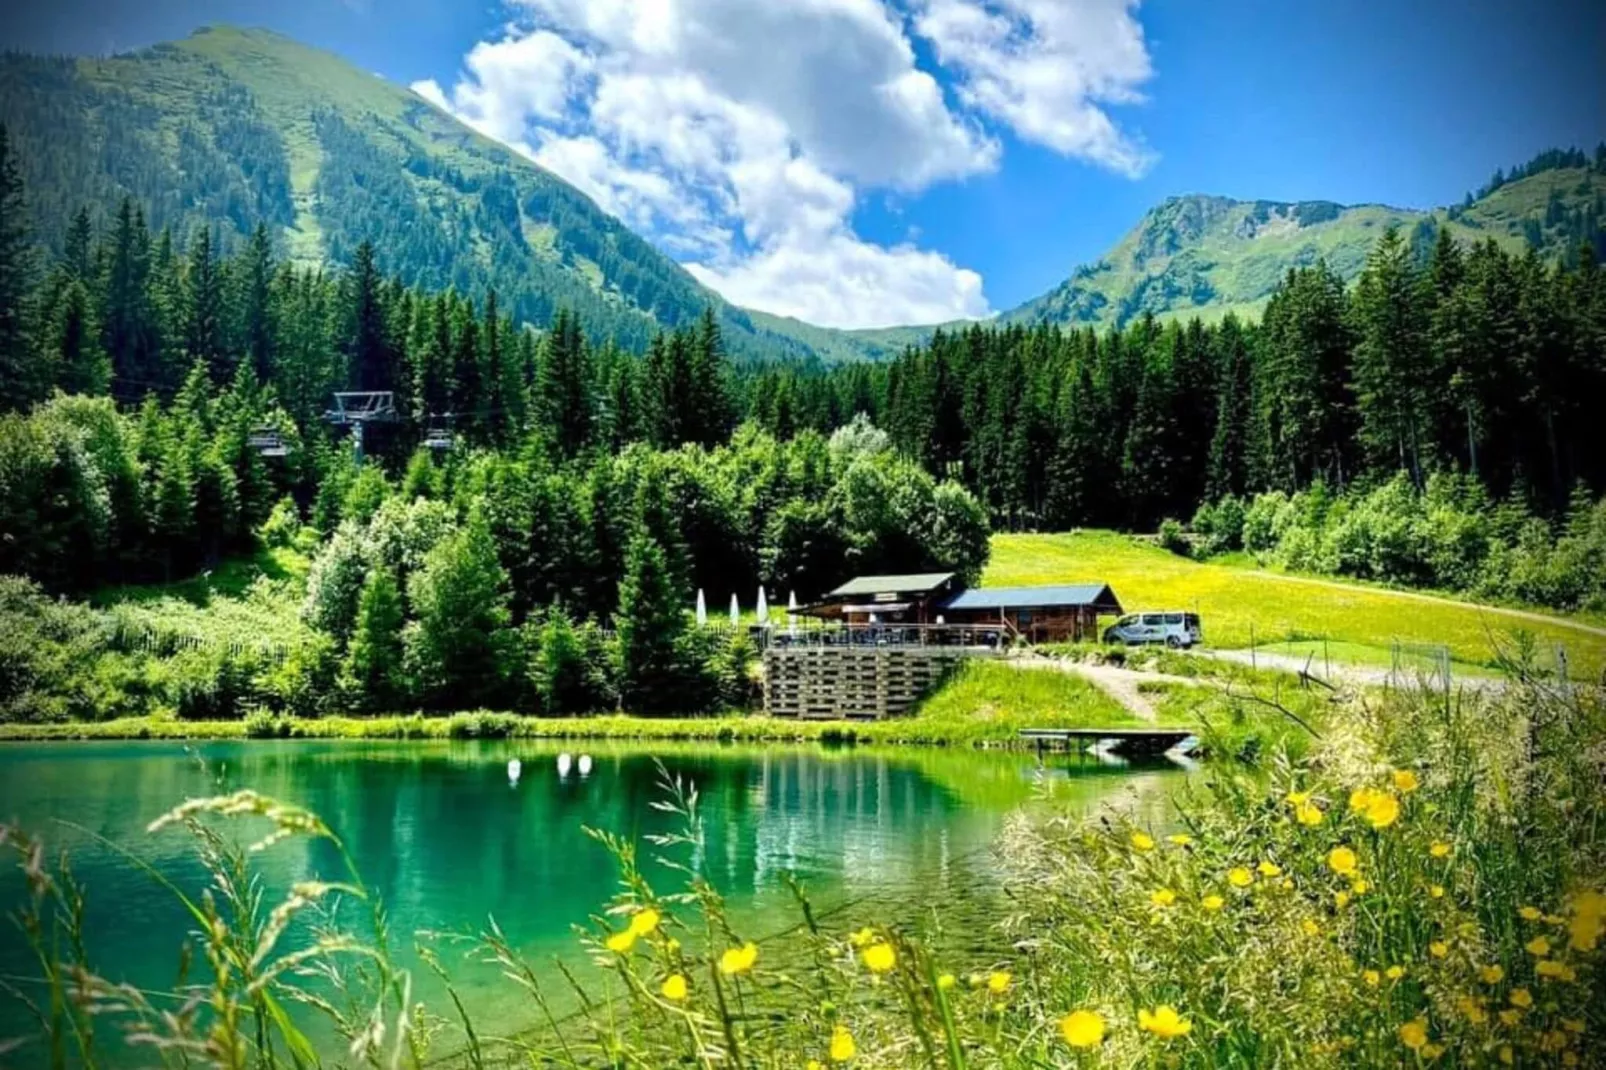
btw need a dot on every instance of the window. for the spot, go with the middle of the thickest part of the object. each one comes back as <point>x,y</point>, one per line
<point>1173,618</point>
<point>1126,622</point>
<point>1153,619</point>
<point>1192,619</point>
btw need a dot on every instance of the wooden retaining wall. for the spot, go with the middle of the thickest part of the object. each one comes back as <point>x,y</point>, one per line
<point>830,683</point>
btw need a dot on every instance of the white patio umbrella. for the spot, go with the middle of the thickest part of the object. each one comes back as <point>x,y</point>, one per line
<point>736,611</point>
<point>702,610</point>
<point>791,612</point>
<point>763,606</point>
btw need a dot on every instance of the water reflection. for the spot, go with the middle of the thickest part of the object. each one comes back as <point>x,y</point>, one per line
<point>453,833</point>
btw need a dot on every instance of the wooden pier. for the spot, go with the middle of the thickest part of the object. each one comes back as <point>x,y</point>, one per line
<point>1127,741</point>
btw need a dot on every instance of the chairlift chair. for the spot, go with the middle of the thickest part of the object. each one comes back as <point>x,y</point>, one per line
<point>268,442</point>
<point>439,437</point>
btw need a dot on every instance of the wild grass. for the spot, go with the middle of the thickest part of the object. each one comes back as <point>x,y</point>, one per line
<point>1423,888</point>
<point>1243,605</point>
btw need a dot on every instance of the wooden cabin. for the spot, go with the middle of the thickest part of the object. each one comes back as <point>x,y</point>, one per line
<point>1047,614</point>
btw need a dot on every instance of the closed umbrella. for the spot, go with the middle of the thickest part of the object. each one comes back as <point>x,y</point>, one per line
<point>763,607</point>
<point>702,610</point>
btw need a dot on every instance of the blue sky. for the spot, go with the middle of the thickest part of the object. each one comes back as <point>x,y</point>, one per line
<point>795,188</point>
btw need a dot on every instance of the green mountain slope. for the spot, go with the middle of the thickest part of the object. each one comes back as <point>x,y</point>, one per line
<point>231,126</point>
<point>1205,256</point>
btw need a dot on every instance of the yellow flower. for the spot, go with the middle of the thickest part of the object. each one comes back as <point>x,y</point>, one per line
<point>1162,897</point>
<point>1142,841</point>
<point>1491,975</point>
<point>1310,928</point>
<point>1584,931</point>
<point>1394,973</point>
<point>862,938</point>
<point>1239,877</point>
<point>1298,798</point>
<point>1573,1025</point>
<point>1438,949</point>
<point>1506,1055</point>
<point>1414,1034</point>
<point>1164,1022</point>
<point>1439,849</point>
<point>621,942</point>
<point>1308,814</point>
<point>1342,860</point>
<point>1269,869</point>
<point>1432,1051</point>
<point>1405,781</point>
<point>1472,1010</point>
<point>674,987</point>
<point>1341,900</point>
<point>737,960</point>
<point>1569,1058</point>
<point>1531,913</point>
<point>645,921</point>
<point>880,958</point>
<point>813,1064</point>
<point>1521,997</point>
<point>672,945</point>
<point>1382,809</point>
<point>1359,800</point>
<point>1287,884</point>
<point>1360,886</point>
<point>1181,839</point>
<point>1372,977</point>
<point>1082,1029</point>
<point>998,982</point>
<point>1436,891</point>
<point>946,981</point>
<point>1509,1017</point>
<point>1212,902</point>
<point>1539,947</point>
<point>842,1046</point>
<point>1557,971</point>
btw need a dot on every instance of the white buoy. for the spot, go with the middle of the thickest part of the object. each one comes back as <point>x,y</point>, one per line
<point>585,765</point>
<point>736,611</point>
<point>763,606</point>
<point>514,769</point>
<point>702,610</point>
<point>564,762</point>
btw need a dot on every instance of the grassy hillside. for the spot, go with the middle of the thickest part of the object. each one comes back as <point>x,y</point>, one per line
<point>230,127</point>
<point>1209,255</point>
<point>1363,622</point>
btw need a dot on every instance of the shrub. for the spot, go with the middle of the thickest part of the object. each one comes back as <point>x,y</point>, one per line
<point>282,526</point>
<point>1172,538</point>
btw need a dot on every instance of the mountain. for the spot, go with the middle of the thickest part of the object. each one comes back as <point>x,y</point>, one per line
<point>1206,256</point>
<point>232,126</point>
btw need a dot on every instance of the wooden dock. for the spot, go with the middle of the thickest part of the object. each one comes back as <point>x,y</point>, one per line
<point>1113,740</point>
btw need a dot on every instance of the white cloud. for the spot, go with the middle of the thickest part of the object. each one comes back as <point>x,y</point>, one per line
<point>1044,67</point>
<point>739,133</point>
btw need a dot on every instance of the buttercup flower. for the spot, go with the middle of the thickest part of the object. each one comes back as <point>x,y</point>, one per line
<point>1269,869</point>
<point>738,960</point>
<point>644,921</point>
<point>842,1046</point>
<point>1181,839</point>
<point>879,958</point>
<point>1212,902</point>
<point>1164,1022</point>
<point>1310,928</point>
<point>863,937</point>
<point>1394,973</point>
<point>1298,798</point>
<point>1382,809</point>
<point>1521,997</point>
<point>1530,913</point>
<point>1414,1034</point>
<point>1342,860</point>
<point>1539,947</point>
<point>1471,1009</point>
<point>1142,841</point>
<point>1082,1029</point>
<point>1405,781</point>
<point>1162,897</point>
<point>674,987</point>
<point>1372,977</point>
<point>1341,900</point>
<point>1360,886</point>
<point>1555,971</point>
<point>946,981</point>
<point>1308,814</point>
<point>621,942</point>
<point>1240,877</point>
<point>998,982</point>
<point>1438,949</point>
<point>1439,849</point>
<point>1491,975</point>
<point>1436,891</point>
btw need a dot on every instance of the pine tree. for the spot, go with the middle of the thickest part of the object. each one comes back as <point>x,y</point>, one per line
<point>20,382</point>
<point>650,623</point>
<point>79,363</point>
<point>204,309</point>
<point>369,361</point>
<point>458,646</point>
<point>259,327</point>
<point>373,666</point>
<point>564,390</point>
<point>1393,384</point>
<point>468,373</point>
<point>1228,467</point>
<point>128,331</point>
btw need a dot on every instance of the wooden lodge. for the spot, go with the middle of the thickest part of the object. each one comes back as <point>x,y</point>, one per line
<point>940,602</point>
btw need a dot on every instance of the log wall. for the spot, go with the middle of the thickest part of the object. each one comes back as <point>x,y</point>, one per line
<point>831,683</point>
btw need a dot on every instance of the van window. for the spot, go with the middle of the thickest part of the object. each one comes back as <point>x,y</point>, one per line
<point>1192,619</point>
<point>1173,618</point>
<point>1153,618</point>
<point>1125,621</point>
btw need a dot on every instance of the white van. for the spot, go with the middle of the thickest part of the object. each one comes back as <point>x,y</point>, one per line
<point>1175,630</point>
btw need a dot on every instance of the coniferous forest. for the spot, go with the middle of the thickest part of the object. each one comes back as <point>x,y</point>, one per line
<point>530,527</point>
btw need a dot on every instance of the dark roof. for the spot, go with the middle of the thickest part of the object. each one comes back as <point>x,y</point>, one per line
<point>1080,594</point>
<point>920,581</point>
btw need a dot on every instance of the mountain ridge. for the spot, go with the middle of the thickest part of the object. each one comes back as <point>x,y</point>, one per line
<point>234,125</point>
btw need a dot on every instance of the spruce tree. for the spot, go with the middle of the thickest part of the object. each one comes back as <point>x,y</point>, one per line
<point>20,382</point>
<point>373,667</point>
<point>649,622</point>
<point>204,340</point>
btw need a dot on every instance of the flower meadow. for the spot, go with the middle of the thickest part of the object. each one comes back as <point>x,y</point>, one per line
<point>1423,886</point>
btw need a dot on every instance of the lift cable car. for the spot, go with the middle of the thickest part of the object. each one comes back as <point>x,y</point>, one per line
<point>358,408</point>
<point>439,436</point>
<point>267,441</point>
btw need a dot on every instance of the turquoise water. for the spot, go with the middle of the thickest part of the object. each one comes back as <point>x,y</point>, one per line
<point>448,841</point>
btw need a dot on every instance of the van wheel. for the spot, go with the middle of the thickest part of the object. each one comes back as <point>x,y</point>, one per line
<point>1173,642</point>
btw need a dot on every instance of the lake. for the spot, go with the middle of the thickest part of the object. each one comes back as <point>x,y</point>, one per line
<point>448,840</point>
